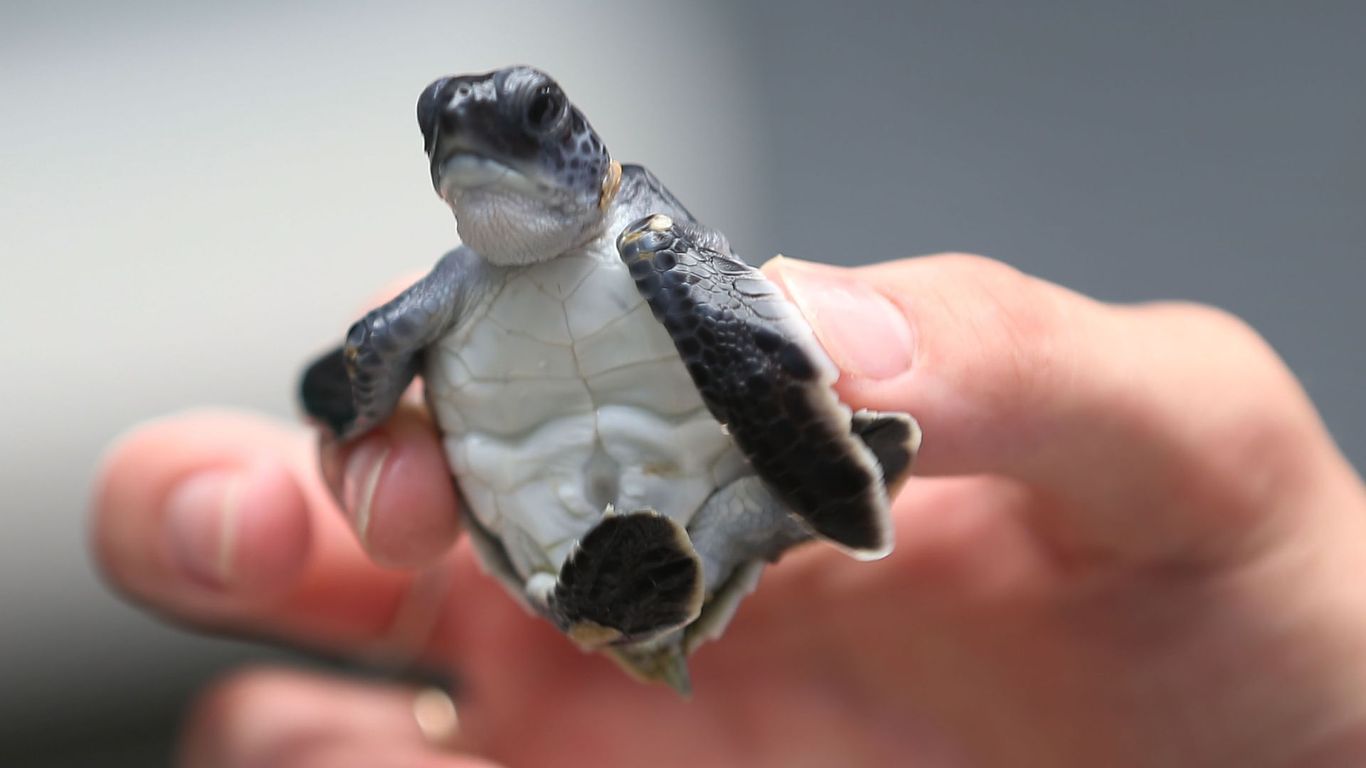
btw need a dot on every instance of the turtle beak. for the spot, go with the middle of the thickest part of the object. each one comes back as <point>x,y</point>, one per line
<point>447,109</point>
<point>459,114</point>
<point>429,106</point>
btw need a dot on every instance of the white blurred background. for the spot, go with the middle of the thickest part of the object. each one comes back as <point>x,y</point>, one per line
<point>195,198</point>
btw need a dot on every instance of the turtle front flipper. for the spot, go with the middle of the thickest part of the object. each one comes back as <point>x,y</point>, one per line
<point>893,438</point>
<point>761,372</point>
<point>631,578</point>
<point>356,386</point>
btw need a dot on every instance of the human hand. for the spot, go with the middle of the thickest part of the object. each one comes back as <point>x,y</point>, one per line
<point>1130,541</point>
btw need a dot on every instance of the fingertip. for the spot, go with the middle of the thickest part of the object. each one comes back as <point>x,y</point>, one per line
<point>239,531</point>
<point>397,490</point>
<point>867,334</point>
<point>976,350</point>
<point>281,562</point>
<point>273,530</point>
<point>201,511</point>
<point>103,534</point>
<point>131,478</point>
<point>198,503</point>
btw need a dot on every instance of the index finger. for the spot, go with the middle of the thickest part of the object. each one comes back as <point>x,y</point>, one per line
<point>219,520</point>
<point>393,483</point>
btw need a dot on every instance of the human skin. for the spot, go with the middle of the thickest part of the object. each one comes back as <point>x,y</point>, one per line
<point>1129,541</point>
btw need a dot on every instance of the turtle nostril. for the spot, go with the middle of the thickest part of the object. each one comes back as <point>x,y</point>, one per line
<point>449,119</point>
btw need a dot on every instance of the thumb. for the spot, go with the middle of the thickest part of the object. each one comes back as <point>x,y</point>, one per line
<point>1131,416</point>
<point>965,344</point>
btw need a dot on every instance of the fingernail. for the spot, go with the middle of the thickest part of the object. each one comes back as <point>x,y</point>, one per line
<point>201,523</point>
<point>862,330</point>
<point>361,480</point>
<point>436,716</point>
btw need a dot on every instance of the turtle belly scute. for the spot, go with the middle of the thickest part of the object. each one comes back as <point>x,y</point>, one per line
<point>562,395</point>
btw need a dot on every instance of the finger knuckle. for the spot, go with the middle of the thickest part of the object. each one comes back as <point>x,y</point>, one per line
<point>975,268</point>
<point>1258,423</point>
<point>1218,322</point>
<point>238,692</point>
<point>1248,365</point>
<point>1010,300</point>
<point>123,497</point>
<point>220,722</point>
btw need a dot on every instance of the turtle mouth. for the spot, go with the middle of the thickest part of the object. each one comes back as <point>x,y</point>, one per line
<point>462,170</point>
<point>469,170</point>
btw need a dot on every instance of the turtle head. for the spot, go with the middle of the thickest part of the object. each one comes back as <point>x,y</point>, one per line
<point>524,172</point>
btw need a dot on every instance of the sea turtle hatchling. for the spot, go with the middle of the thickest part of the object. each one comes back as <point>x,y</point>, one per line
<point>636,419</point>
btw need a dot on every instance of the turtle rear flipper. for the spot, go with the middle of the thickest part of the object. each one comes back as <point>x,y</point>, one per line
<point>631,577</point>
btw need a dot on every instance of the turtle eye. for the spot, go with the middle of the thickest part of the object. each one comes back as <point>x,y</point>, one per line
<point>544,108</point>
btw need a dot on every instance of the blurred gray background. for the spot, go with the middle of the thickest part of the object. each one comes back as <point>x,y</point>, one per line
<point>194,199</point>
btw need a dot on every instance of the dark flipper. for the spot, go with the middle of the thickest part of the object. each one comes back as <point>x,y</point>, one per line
<point>356,386</point>
<point>893,438</point>
<point>638,181</point>
<point>326,392</point>
<point>631,577</point>
<point>762,373</point>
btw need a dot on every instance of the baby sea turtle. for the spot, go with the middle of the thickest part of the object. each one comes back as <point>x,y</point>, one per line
<point>637,420</point>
